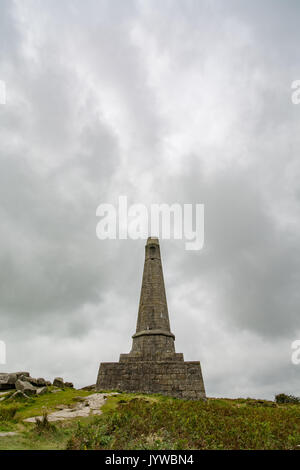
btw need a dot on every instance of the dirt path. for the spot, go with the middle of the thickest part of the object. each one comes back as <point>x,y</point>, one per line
<point>86,406</point>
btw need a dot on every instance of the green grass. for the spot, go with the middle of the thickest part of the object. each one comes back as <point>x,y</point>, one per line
<point>12,414</point>
<point>30,438</point>
<point>179,424</point>
<point>113,402</point>
<point>139,421</point>
<point>38,405</point>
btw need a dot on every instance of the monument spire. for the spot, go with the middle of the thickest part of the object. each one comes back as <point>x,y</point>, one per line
<point>153,335</point>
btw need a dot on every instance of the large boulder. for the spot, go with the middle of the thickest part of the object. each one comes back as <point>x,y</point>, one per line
<point>7,381</point>
<point>42,390</point>
<point>69,384</point>
<point>31,380</point>
<point>25,374</point>
<point>35,382</point>
<point>24,378</point>
<point>41,382</point>
<point>89,388</point>
<point>58,382</point>
<point>25,387</point>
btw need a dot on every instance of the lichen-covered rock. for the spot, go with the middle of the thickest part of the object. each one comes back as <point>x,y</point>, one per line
<point>31,380</point>
<point>69,384</point>
<point>7,381</point>
<point>41,382</point>
<point>42,390</point>
<point>58,382</point>
<point>89,388</point>
<point>25,374</point>
<point>25,387</point>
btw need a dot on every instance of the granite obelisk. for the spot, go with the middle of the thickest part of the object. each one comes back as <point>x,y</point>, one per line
<point>153,366</point>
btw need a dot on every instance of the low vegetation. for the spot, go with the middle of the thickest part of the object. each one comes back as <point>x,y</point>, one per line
<point>135,421</point>
<point>283,398</point>
<point>36,436</point>
<point>178,424</point>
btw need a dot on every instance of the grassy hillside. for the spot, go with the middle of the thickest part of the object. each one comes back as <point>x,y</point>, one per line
<point>29,436</point>
<point>149,423</point>
<point>132,421</point>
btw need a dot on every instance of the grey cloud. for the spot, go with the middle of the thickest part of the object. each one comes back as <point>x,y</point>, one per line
<point>185,102</point>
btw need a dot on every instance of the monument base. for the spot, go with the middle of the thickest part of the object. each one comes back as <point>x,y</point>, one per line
<point>175,378</point>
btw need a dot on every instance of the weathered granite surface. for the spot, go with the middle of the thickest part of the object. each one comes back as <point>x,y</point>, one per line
<point>8,380</point>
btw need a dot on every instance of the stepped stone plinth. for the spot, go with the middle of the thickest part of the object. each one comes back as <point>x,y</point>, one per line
<point>153,366</point>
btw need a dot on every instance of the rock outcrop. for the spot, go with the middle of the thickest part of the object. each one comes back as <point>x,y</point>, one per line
<point>25,387</point>
<point>17,395</point>
<point>69,385</point>
<point>23,382</point>
<point>8,380</point>
<point>58,382</point>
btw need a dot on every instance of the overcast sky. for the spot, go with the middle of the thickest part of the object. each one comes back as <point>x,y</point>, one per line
<point>163,101</point>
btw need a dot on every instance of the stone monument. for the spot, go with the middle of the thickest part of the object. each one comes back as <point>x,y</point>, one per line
<point>153,366</point>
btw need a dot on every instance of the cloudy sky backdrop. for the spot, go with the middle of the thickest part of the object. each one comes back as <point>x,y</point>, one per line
<point>162,101</point>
